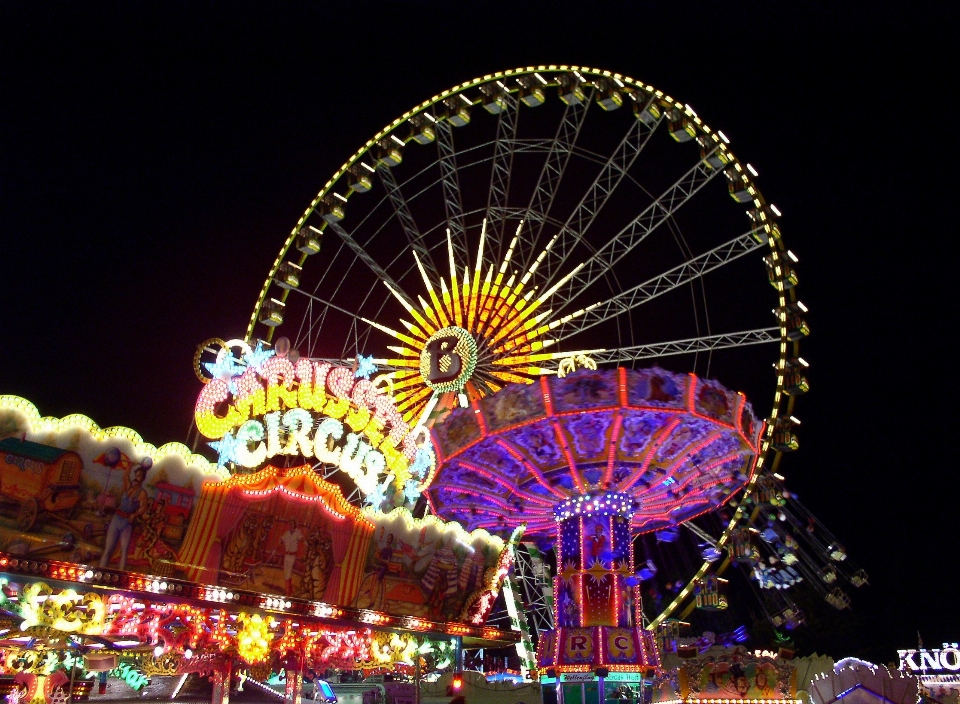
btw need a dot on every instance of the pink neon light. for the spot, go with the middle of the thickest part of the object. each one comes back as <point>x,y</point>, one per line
<point>562,440</point>
<point>583,562</point>
<point>497,503</point>
<point>678,461</point>
<point>505,484</point>
<point>582,597</point>
<point>654,445</point>
<point>531,468</point>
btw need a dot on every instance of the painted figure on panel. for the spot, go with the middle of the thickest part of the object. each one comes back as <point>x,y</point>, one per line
<point>290,540</point>
<point>318,565</point>
<point>133,504</point>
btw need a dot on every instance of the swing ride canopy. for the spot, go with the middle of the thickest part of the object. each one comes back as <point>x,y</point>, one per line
<point>674,444</point>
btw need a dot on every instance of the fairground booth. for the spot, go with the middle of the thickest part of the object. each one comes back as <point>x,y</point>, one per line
<point>125,561</point>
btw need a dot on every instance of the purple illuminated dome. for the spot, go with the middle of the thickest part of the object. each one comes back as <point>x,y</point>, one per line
<point>678,445</point>
<point>590,460</point>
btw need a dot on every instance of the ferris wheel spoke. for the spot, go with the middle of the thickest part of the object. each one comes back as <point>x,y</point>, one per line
<point>700,533</point>
<point>689,345</point>
<point>638,230</point>
<point>452,201</point>
<point>596,196</point>
<point>362,255</point>
<point>313,325</point>
<point>313,322</point>
<point>327,304</point>
<point>349,361</point>
<point>555,165</point>
<point>500,173</point>
<point>659,285</point>
<point>402,211</point>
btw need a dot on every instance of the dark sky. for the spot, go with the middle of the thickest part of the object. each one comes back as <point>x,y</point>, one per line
<point>153,157</point>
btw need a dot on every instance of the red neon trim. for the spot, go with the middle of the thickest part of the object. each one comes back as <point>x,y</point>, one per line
<point>738,416</point>
<point>622,383</point>
<point>614,438</point>
<point>547,397</point>
<point>532,468</point>
<point>481,421</point>
<point>562,441</point>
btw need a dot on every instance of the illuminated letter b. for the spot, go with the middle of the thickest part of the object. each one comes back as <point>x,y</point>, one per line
<point>441,350</point>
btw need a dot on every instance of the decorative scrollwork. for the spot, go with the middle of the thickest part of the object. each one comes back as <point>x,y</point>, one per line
<point>570,364</point>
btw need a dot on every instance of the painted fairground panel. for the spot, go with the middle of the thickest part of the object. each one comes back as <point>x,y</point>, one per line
<point>289,532</point>
<point>738,675</point>
<point>74,492</point>
<point>587,389</point>
<point>426,568</point>
<point>278,531</point>
<point>515,404</point>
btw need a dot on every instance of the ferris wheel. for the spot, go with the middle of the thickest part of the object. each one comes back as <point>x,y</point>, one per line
<point>534,221</point>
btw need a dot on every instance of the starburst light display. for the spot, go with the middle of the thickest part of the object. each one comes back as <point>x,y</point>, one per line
<point>477,334</point>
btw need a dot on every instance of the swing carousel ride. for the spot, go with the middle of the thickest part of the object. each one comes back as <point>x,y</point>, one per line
<point>494,334</point>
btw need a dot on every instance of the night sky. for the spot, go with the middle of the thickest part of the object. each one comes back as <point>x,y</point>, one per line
<point>153,157</point>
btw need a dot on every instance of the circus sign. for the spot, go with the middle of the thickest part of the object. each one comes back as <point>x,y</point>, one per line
<point>265,404</point>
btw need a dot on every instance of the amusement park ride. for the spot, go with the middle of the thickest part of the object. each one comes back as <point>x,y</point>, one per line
<point>456,366</point>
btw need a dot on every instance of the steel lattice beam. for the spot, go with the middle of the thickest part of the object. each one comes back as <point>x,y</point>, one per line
<point>368,260</point>
<point>692,344</point>
<point>659,285</point>
<point>534,579</point>
<point>633,234</point>
<point>596,196</point>
<point>402,210</point>
<point>451,192</point>
<point>541,201</point>
<point>500,174</point>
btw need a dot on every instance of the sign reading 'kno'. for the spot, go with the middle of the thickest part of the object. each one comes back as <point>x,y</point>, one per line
<point>935,660</point>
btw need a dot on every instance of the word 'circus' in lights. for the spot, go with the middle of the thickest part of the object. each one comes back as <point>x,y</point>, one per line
<point>273,406</point>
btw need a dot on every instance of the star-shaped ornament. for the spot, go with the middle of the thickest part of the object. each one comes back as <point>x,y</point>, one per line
<point>365,367</point>
<point>225,367</point>
<point>257,356</point>
<point>411,491</point>
<point>226,448</point>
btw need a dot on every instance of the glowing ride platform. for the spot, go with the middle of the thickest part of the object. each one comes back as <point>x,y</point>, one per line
<point>591,459</point>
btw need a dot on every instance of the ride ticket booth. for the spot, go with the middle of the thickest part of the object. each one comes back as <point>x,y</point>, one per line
<point>579,688</point>
<point>590,688</point>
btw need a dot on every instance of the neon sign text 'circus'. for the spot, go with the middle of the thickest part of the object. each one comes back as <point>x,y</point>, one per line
<point>264,410</point>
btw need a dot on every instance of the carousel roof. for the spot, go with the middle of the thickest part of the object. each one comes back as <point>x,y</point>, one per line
<point>677,444</point>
